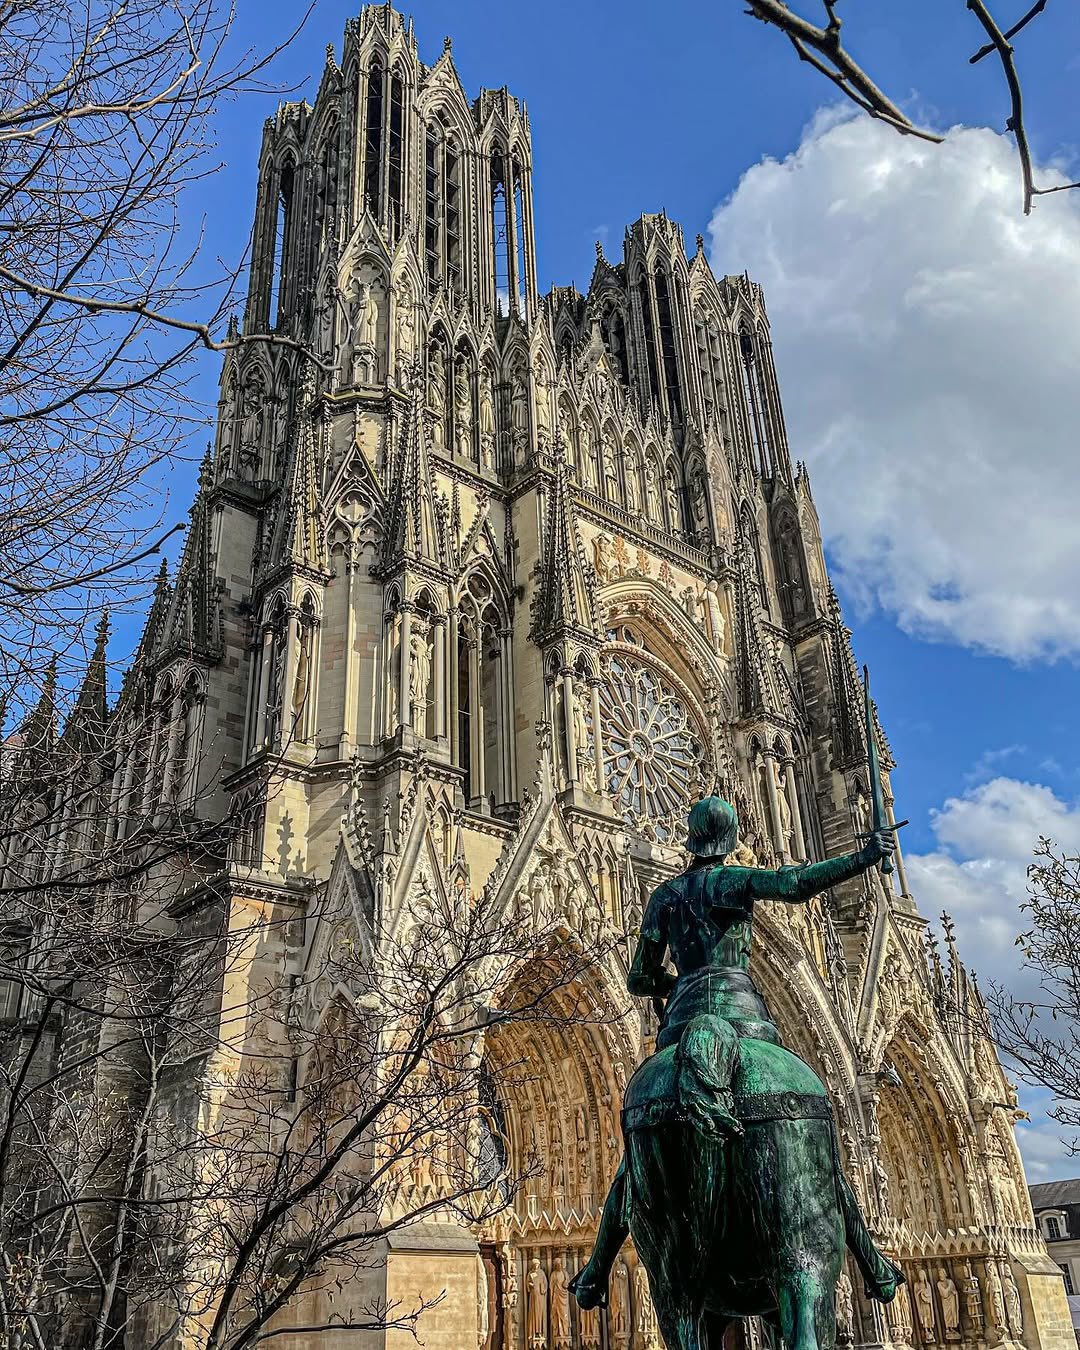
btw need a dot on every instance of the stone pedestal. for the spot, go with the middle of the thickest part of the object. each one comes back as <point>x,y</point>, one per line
<point>422,1262</point>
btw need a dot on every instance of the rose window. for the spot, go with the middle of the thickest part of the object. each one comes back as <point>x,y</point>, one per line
<point>652,746</point>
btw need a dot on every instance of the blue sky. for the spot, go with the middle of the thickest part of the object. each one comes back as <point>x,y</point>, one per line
<point>926,338</point>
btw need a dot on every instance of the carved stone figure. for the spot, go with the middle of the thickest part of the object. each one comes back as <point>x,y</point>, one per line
<point>561,1336</point>
<point>487,420</point>
<point>602,558</point>
<point>252,427</point>
<point>363,332</point>
<point>588,462</point>
<point>924,1307</point>
<point>633,486</point>
<point>580,722</point>
<point>644,1312</point>
<point>519,417</point>
<point>652,493</point>
<point>997,1300</point>
<point>619,1307</point>
<point>463,418</point>
<point>787,832</point>
<point>845,1310</point>
<point>1013,1305</point>
<point>675,520</point>
<point>973,1304</point>
<point>419,675</point>
<point>589,1328</point>
<point>437,397</point>
<point>536,1324</point>
<point>404,329</point>
<point>949,1302</point>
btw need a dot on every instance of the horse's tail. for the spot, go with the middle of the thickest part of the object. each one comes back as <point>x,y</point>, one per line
<point>706,1058</point>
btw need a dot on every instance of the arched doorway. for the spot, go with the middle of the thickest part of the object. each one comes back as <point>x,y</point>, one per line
<point>556,1082</point>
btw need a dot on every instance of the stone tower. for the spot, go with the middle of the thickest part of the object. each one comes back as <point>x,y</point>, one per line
<point>511,579</point>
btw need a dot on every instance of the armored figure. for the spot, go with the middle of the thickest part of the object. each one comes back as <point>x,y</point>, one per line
<point>722,1109</point>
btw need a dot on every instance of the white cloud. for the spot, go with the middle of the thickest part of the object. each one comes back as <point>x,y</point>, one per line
<point>929,351</point>
<point>978,874</point>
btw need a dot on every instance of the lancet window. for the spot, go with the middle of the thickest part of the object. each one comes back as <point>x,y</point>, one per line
<point>668,357</point>
<point>500,233</point>
<point>615,339</point>
<point>442,207</point>
<point>373,137</point>
<point>326,190</point>
<point>650,341</point>
<point>482,685</point>
<point>283,229</point>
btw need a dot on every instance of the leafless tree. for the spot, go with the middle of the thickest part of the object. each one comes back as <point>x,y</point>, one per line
<point>106,120</point>
<point>822,46</point>
<point>1040,1033</point>
<point>198,1124</point>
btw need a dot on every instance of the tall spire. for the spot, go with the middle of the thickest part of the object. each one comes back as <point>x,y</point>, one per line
<point>415,519</point>
<point>849,737</point>
<point>563,601</point>
<point>192,623</point>
<point>85,730</point>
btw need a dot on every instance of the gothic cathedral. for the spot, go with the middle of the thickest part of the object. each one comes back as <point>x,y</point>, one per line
<point>484,587</point>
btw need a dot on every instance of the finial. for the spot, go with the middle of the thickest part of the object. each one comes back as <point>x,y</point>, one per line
<point>599,251</point>
<point>701,243</point>
<point>448,45</point>
<point>330,60</point>
<point>101,632</point>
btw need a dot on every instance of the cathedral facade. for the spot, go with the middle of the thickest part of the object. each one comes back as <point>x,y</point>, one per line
<point>484,587</point>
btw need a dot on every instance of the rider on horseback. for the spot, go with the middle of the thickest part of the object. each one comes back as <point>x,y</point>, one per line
<point>704,917</point>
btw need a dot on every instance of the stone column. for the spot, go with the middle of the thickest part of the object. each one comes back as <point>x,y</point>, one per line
<point>511,723</point>
<point>438,642</point>
<point>266,660</point>
<point>404,716</point>
<point>898,857</point>
<point>476,721</point>
<point>792,791</point>
<point>568,723</point>
<point>452,691</point>
<point>506,713</point>
<point>598,736</point>
<point>349,711</point>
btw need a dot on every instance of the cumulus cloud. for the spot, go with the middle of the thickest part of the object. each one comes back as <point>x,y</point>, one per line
<point>928,350</point>
<point>978,874</point>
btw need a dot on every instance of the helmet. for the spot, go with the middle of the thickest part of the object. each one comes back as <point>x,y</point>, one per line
<point>713,828</point>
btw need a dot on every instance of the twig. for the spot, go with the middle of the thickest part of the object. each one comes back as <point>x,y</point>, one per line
<point>1032,13</point>
<point>823,49</point>
<point>1015,121</point>
<point>144,311</point>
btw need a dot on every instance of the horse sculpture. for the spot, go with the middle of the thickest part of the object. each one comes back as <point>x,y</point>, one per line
<point>731,1184</point>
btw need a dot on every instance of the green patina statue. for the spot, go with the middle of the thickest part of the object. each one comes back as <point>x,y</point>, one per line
<point>731,1184</point>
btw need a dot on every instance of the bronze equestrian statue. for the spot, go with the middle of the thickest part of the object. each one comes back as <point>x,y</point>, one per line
<point>730,1184</point>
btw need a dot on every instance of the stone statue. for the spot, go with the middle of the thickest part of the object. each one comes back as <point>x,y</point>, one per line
<point>252,428</point>
<point>652,494</point>
<point>997,1299</point>
<point>487,421</point>
<point>973,1304</point>
<point>589,1328</point>
<point>581,725</point>
<point>633,486</point>
<point>1012,1302</point>
<point>419,675</point>
<point>363,332</point>
<point>536,1325</point>
<point>602,558</point>
<point>588,464</point>
<point>784,807</point>
<point>619,1311</point>
<point>720,1073</point>
<point>949,1301</point>
<point>845,1310</point>
<point>924,1307</point>
<point>403,328</point>
<point>519,416</point>
<point>717,622</point>
<point>561,1336</point>
<point>644,1312</point>
<point>437,397</point>
<point>463,410</point>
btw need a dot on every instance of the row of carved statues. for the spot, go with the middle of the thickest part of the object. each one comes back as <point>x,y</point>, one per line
<point>550,1318</point>
<point>977,1301</point>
